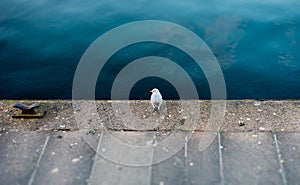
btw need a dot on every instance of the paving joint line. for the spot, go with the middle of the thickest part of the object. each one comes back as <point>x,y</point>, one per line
<point>220,159</point>
<point>279,160</point>
<point>95,159</point>
<point>185,146</point>
<point>186,165</point>
<point>150,167</point>
<point>38,162</point>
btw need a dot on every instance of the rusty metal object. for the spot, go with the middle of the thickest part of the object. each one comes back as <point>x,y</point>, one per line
<point>28,111</point>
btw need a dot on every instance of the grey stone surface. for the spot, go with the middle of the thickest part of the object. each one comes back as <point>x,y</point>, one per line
<point>250,158</point>
<point>19,153</point>
<point>270,115</point>
<point>171,171</point>
<point>250,152</point>
<point>289,145</point>
<point>110,171</point>
<point>106,172</point>
<point>202,166</point>
<point>66,160</point>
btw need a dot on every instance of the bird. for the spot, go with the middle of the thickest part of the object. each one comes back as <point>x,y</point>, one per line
<point>156,99</point>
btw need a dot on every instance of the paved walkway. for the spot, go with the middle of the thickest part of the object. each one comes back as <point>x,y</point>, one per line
<point>235,155</point>
<point>233,158</point>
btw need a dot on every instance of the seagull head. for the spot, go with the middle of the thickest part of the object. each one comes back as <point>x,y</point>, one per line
<point>154,91</point>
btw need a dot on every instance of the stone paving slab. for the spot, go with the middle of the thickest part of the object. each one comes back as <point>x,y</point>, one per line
<point>250,158</point>
<point>106,171</point>
<point>203,167</point>
<point>20,153</point>
<point>67,159</point>
<point>171,171</point>
<point>188,166</point>
<point>289,145</point>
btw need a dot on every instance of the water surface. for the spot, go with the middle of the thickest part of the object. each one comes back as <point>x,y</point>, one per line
<point>256,44</point>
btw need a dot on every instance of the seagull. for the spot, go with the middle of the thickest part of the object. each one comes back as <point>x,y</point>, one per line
<point>156,99</point>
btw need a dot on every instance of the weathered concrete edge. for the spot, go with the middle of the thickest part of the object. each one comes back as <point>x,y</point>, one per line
<point>240,115</point>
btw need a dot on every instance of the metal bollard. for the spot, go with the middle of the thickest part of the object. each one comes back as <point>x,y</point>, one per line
<point>29,111</point>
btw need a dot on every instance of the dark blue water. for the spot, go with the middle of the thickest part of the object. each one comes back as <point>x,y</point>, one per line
<point>256,44</point>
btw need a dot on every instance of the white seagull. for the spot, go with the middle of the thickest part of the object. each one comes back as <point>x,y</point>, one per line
<point>156,99</point>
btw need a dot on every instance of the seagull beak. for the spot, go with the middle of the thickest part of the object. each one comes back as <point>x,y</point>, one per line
<point>151,91</point>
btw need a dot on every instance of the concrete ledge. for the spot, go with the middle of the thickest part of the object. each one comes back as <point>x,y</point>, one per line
<point>240,115</point>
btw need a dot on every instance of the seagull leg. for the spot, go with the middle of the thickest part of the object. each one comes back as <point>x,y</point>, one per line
<point>155,110</point>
